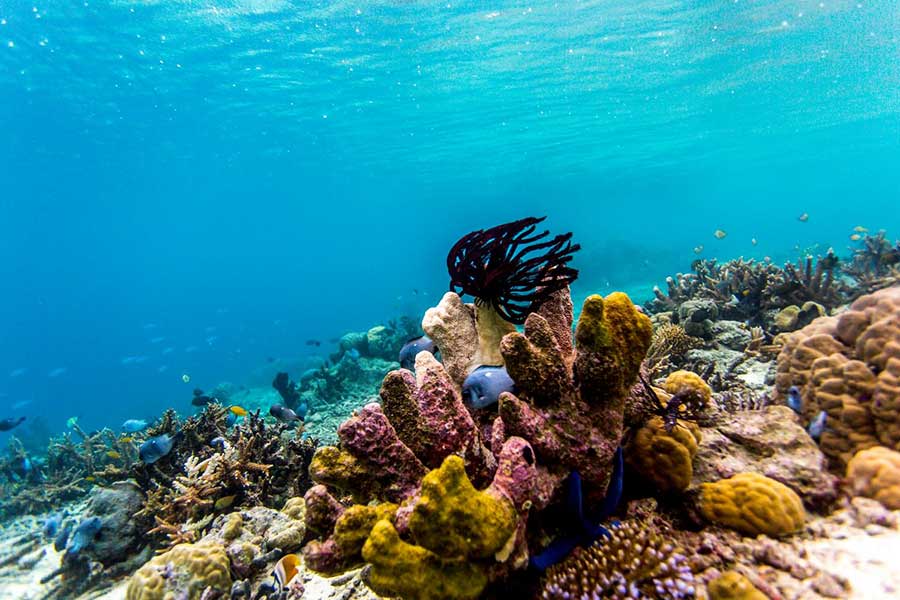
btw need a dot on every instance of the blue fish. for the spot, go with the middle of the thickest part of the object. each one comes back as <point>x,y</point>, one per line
<point>156,447</point>
<point>353,353</point>
<point>794,400</point>
<point>584,529</point>
<point>7,424</point>
<point>51,526</point>
<point>817,425</point>
<point>412,347</point>
<point>59,544</point>
<point>84,535</point>
<point>484,385</point>
<point>134,425</point>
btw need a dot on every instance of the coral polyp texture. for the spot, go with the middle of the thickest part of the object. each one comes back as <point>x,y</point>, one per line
<point>752,504</point>
<point>635,561</point>
<point>186,571</point>
<point>466,481</point>
<point>875,473</point>
<point>849,366</point>
<point>662,457</point>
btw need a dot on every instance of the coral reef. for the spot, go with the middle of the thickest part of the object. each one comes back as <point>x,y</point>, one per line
<point>731,585</point>
<point>664,458</point>
<point>875,473</point>
<point>636,561</point>
<point>186,571</point>
<point>849,366</point>
<point>752,504</point>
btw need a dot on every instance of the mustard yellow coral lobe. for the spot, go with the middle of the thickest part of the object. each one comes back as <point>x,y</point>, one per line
<point>456,531</point>
<point>185,571</point>
<point>752,504</point>
<point>731,585</point>
<point>615,317</point>
<point>665,458</point>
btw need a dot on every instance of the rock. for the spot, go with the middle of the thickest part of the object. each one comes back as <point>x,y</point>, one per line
<point>696,316</point>
<point>769,442</point>
<point>731,334</point>
<point>355,340</point>
<point>120,535</point>
<point>381,344</point>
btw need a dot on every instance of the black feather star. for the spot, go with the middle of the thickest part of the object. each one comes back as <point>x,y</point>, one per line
<point>512,268</point>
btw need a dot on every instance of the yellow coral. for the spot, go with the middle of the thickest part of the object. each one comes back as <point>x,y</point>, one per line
<point>685,382</point>
<point>665,458</point>
<point>457,531</point>
<point>753,504</point>
<point>353,527</point>
<point>183,572</point>
<point>875,473</point>
<point>731,585</point>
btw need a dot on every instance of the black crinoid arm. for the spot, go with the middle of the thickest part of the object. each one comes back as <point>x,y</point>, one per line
<point>511,267</point>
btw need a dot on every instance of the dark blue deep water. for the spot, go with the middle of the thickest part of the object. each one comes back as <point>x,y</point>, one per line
<point>200,186</point>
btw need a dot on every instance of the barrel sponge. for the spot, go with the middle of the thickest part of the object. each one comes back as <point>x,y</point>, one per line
<point>456,533</point>
<point>731,585</point>
<point>685,382</point>
<point>664,458</point>
<point>752,504</point>
<point>184,572</point>
<point>875,473</point>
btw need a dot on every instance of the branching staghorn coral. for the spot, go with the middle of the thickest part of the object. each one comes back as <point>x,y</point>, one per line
<point>669,342</point>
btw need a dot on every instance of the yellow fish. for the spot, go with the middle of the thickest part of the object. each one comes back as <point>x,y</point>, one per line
<point>126,439</point>
<point>855,237</point>
<point>186,378</point>
<point>240,411</point>
<point>90,478</point>
<point>860,229</point>
<point>224,502</point>
<point>698,249</point>
<point>285,570</point>
<point>803,218</point>
<point>719,234</point>
<point>114,455</point>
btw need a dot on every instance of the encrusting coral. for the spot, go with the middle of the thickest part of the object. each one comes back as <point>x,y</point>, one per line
<point>186,570</point>
<point>752,504</point>
<point>635,561</point>
<point>875,473</point>
<point>849,367</point>
<point>731,585</point>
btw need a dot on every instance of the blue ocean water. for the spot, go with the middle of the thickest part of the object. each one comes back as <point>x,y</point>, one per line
<point>198,187</point>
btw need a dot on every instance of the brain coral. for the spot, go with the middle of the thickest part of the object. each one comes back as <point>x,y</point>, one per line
<point>752,504</point>
<point>664,458</point>
<point>849,366</point>
<point>875,473</point>
<point>184,572</point>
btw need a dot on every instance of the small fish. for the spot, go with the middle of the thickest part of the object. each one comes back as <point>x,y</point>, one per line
<point>240,411</point>
<point>794,400</point>
<point>84,535</point>
<point>59,544</point>
<point>113,455</point>
<point>7,424</point>
<point>817,425</point>
<point>20,404</point>
<point>720,234</point>
<point>218,443</point>
<point>412,347</point>
<point>126,439</point>
<point>201,399</point>
<point>484,385</point>
<point>315,343</point>
<point>733,301</point>
<point>21,466</point>
<point>57,372</point>
<point>803,218</point>
<point>283,413</point>
<point>698,249</point>
<point>17,372</point>
<point>162,369</point>
<point>285,570</point>
<point>753,241</point>
<point>191,349</point>
<point>855,237</point>
<point>168,350</point>
<point>51,526</point>
<point>225,501</point>
<point>353,353</point>
<point>134,425</point>
<point>860,229</point>
<point>157,340</point>
<point>186,378</point>
<point>230,419</point>
<point>90,478</point>
<point>156,447</point>
<point>71,422</point>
